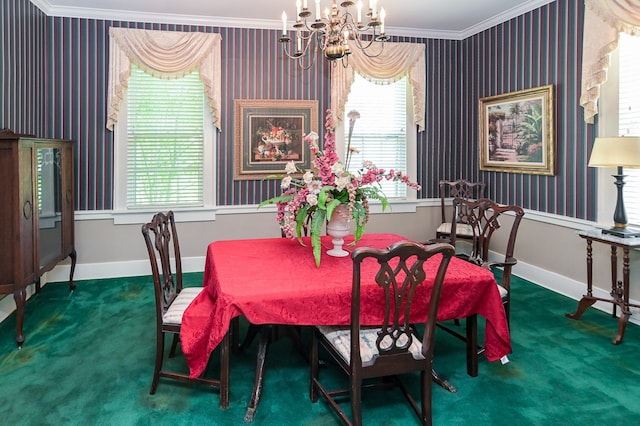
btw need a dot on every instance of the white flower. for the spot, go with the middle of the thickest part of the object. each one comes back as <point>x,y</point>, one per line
<point>353,115</point>
<point>368,164</point>
<point>342,182</point>
<point>308,177</point>
<point>286,182</point>
<point>337,168</point>
<point>290,168</point>
<point>314,186</point>
<point>312,199</point>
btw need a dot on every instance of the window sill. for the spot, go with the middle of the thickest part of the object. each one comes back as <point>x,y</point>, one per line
<point>144,216</point>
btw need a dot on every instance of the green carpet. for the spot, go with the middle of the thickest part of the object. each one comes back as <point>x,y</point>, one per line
<point>88,360</point>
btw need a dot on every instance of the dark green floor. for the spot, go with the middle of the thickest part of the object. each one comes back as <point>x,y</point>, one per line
<point>88,360</point>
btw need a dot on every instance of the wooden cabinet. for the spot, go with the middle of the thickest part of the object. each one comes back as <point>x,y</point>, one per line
<point>36,214</point>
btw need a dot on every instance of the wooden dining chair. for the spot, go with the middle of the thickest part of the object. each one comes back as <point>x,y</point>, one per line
<point>485,217</point>
<point>172,299</point>
<point>393,347</point>
<point>460,188</point>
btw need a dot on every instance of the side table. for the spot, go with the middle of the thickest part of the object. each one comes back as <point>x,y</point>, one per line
<point>619,289</point>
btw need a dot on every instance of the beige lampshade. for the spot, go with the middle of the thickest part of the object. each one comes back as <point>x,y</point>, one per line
<point>621,151</point>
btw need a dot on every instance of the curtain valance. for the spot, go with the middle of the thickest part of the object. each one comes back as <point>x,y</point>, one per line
<point>603,21</point>
<point>163,54</point>
<point>395,61</point>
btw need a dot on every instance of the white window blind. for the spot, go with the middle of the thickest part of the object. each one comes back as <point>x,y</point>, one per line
<point>165,141</point>
<point>629,117</point>
<point>380,134</point>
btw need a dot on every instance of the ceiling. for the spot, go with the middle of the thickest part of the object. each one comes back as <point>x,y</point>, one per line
<point>452,19</point>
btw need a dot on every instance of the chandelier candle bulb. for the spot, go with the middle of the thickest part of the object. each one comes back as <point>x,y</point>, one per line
<point>298,6</point>
<point>284,23</point>
<point>359,11</point>
<point>382,15</point>
<point>318,10</point>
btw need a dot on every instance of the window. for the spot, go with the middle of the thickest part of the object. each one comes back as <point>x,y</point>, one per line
<point>629,116</point>
<point>164,145</point>
<point>380,134</point>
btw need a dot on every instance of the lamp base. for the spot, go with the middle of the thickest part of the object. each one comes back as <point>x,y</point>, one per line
<point>623,232</point>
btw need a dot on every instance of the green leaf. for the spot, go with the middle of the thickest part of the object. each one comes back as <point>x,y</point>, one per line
<point>324,195</point>
<point>301,217</point>
<point>317,247</point>
<point>331,206</point>
<point>317,222</point>
<point>273,177</point>
<point>275,200</point>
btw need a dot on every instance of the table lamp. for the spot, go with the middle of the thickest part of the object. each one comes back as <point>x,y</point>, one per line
<point>617,152</point>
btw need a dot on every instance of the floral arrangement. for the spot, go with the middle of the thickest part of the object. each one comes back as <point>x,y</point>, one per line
<point>308,202</point>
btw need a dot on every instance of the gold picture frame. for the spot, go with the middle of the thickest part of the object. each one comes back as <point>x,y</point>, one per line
<point>269,133</point>
<point>516,132</point>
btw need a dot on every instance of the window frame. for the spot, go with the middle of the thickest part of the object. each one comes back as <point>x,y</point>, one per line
<point>411,150</point>
<point>124,215</point>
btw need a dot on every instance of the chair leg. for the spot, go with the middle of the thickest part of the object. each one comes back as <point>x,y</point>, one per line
<point>313,392</point>
<point>507,312</point>
<point>234,331</point>
<point>158,364</point>
<point>472,345</point>
<point>224,371</point>
<point>426,395</point>
<point>174,345</point>
<point>356,401</point>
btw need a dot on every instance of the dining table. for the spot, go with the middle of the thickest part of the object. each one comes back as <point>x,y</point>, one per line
<point>275,281</point>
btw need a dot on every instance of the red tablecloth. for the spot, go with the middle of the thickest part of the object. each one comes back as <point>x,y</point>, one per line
<point>276,281</point>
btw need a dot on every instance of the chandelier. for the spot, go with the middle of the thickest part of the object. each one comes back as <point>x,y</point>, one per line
<point>331,31</point>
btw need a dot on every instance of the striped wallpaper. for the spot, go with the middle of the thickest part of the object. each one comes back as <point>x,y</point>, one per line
<point>22,67</point>
<point>540,47</point>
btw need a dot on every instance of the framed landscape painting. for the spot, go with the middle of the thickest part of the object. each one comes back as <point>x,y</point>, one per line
<point>516,132</point>
<point>269,133</point>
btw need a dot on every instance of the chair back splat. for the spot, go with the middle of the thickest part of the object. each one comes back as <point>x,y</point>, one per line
<point>161,239</point>
<point>392,346</point>
<point>162,243</point>
<point>460,188</point>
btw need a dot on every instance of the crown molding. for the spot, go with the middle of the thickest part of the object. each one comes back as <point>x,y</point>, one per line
<point>217,21</point>
<point>503,17</point>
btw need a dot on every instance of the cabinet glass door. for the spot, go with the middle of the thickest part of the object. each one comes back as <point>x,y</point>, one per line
<point>49,184</point>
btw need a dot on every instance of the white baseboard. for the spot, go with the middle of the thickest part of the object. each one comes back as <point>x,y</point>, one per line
<point>87,271</point>
<point>569,287</point>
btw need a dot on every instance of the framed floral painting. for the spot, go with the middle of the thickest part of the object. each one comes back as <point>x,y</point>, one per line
<point>269,133</point>
<point>516,132</point>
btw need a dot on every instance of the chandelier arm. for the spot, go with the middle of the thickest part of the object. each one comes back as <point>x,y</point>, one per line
<point>365,48</point>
